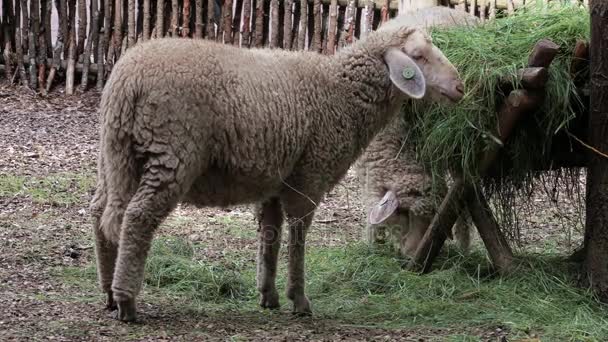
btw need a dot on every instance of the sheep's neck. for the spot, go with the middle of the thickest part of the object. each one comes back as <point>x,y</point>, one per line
<point>375,102</point>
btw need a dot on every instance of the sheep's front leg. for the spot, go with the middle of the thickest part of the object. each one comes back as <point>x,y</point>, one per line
<point>151,204</point>
<point>270,220</point>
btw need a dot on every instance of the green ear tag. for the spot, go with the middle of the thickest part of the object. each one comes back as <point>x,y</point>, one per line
<point>409,73</point>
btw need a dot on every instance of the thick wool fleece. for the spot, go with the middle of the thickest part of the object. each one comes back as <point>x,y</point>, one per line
<point>219,126</point>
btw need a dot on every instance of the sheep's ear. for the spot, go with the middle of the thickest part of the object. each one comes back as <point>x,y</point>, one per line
<point>384,209</point>
<point>405,74</point>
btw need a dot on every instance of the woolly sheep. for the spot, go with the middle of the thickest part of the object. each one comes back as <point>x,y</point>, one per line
<point>219,126</point>
<point>398,193</point>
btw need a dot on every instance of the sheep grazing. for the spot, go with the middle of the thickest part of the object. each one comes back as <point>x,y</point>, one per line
<point>225,126</point>
<point>397,191</point>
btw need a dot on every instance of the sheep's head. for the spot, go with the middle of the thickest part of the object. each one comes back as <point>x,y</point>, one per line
<point>419,69</point>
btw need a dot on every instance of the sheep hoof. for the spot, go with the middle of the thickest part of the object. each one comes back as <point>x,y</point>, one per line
<point>270,300</point>
<point>301,307</point>
<point>126,310</point>
<point>110,303</point>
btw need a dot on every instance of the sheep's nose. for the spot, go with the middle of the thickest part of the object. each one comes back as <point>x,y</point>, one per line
<point>460,87</point>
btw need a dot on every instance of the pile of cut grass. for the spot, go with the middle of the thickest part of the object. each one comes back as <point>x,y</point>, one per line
<point>448,137</point>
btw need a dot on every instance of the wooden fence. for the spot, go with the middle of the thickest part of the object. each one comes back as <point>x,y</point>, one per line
<point>42,38</point>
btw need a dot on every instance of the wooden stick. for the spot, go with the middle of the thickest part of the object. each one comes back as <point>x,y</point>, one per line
<point>146,26</point>
<point>198,19</point>
<point>186,19</point>
<point>274,22</point>
<point>259,23</point>
<point>227,14</point>
<point>461,5</point>
<point>174,18</point>
<point>211,19</point>
<point>69,77</point>
<point>237,23</point>
<point>384,12</point>
<point>492,9</point>
<point>482,10</point>
<point>287,24</point>
<point>510,7</point>
<point>46,24</point>
<point>104,44</point>
<point>245,36</point>
<point>117,39</point>
<point>82,26</point>
<point>473,6</point>
<point>324,28</point>
<point>303,24</point>
<point>317,26</point>
<point>331,31</point>
<point>55,63</point>
<point>42,48</point>
<point>25,32</point>
<point>295,26</point>
<point>86,61</point>
<point>530,78</point>
<point>19,44</point>
<point>7,18</point>
<point>33,37</point>
<point>368,20</point>
<point>160,19</point>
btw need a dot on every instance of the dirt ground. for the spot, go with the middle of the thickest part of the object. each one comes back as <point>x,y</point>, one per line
<point>58,134</point>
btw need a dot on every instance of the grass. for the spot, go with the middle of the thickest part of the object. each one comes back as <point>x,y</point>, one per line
<point>367,287</point>
<point>448,137</point>
<point>55,189</point>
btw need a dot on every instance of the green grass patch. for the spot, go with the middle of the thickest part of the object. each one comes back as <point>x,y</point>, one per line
<point>362,286</point>
<point>56,189</point>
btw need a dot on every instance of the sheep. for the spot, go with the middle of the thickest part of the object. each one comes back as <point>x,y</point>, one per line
<point>398,193</point>
<point>224,126</point>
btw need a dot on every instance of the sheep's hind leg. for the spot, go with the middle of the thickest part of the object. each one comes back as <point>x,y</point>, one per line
<point>299,215</point>
<point>270,220</point>
<point>105,249</point>
<point>154,200</point>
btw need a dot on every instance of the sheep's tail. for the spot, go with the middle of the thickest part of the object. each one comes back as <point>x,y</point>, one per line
<point>119,164</point>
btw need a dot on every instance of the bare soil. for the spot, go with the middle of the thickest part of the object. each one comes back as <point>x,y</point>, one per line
<point>58,134</point>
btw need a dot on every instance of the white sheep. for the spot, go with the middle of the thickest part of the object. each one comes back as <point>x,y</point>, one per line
<point>197,122</point>
<point>399,196</point>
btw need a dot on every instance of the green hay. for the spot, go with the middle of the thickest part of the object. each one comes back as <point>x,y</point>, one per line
<point>448,137</point>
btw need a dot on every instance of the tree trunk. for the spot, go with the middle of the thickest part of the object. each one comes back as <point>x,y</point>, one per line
<point>82,26</point>
<point>596,225</point>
